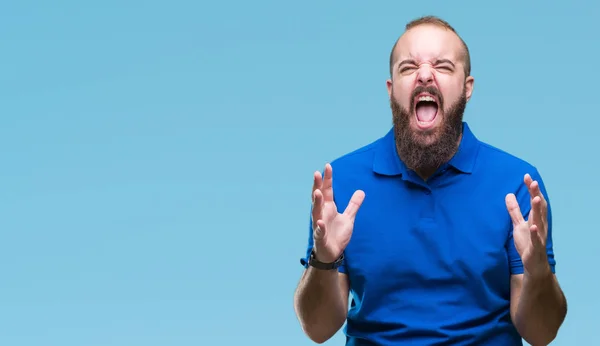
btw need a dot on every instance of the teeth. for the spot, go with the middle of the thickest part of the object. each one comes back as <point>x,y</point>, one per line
<point>426,98</point>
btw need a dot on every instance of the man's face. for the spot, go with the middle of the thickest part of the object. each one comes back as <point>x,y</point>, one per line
<point>428,95</point>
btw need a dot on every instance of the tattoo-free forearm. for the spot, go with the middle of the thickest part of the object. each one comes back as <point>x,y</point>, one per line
<point>541,310</point>
<point>321,302</point>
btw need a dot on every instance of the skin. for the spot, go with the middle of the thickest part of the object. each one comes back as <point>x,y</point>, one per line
<point>538,306</point>
<point>430,56</point>
<point>321,299</point>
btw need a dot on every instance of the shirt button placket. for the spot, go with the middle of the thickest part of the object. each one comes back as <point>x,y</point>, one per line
<point>430,203</point>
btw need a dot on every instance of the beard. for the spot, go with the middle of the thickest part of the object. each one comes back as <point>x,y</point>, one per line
<point>425,152</point>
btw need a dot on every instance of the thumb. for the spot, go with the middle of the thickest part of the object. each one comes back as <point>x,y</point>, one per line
<point>355,202</point>
<point>513,209</point>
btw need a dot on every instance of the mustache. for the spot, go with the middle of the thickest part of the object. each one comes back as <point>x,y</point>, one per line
<point>427,89</point>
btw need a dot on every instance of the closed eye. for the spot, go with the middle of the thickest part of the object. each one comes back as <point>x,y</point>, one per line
<point>444,64</point>
<point>407,65</point>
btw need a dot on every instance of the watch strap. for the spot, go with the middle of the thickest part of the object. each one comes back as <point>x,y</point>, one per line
<point>313,262</point>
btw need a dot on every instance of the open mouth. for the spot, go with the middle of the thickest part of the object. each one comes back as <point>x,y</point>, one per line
<point>426,110</point>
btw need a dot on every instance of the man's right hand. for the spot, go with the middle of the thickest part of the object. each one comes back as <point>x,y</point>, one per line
<point>331,230</point>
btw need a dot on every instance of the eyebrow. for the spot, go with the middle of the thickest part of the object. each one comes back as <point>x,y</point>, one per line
<point>444,61</point>
<point>406,62</point>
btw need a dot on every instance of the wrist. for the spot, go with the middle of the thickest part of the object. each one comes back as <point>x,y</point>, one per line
<point>318,262</point>
<point>541,274</point>
<point>324,257</point>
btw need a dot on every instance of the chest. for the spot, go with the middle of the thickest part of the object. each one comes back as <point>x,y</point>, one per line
<point>422,238</point>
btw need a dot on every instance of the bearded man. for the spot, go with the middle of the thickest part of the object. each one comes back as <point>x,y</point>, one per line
<point>439,238</point>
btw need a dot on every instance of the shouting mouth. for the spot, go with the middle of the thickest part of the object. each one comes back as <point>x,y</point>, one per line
<point>426,110</point>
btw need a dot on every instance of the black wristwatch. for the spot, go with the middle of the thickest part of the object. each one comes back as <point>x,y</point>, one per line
<point>313,262</point>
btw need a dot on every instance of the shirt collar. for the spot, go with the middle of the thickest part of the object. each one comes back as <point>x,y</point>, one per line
<point>387,162</point>
<point>464,159</point>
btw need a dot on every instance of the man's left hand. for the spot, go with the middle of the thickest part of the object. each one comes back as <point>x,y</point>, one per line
<point>530,235</point>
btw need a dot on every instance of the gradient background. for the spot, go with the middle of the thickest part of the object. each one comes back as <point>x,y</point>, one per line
<point>156,157</point>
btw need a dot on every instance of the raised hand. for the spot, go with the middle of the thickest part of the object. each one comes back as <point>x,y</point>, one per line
<point>530,236</point>
<point>331,230</point>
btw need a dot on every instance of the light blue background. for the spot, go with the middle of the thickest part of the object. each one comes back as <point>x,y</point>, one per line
<point>156,157</point>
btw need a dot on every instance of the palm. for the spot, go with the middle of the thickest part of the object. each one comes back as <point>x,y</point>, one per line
<point>522,239</point>
<point>332,230</point>
<point>339,228</point>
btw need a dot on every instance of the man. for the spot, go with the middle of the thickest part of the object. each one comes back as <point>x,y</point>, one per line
<point>441,239</point>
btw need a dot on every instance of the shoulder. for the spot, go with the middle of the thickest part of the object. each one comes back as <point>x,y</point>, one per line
<point>355,169</point>
<point>502,163</point>
<point>506,172</point>
<point>360,159</point>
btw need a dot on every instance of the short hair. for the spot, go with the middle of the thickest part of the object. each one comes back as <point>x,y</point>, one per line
<point>433,20</point>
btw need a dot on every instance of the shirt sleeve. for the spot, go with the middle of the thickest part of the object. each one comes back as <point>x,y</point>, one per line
<point>304,260</point>
<point>524,199</point>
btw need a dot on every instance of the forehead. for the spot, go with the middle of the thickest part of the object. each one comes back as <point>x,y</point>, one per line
<point>427,41</point>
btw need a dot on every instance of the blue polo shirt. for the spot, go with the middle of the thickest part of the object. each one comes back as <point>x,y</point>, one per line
<point>430,262</point>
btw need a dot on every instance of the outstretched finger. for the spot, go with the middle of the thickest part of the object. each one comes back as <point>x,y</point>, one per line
<point>538,202</point>
<point>527,180</point>
<point>355,202</point>
<point>538,214</point>
<point>316,198</point>
<point>317,208</point>
<point>535,191</point>
<point>317,182</point>
<point>532,186</point>
<point>327,187</point>
<point>513,209</point>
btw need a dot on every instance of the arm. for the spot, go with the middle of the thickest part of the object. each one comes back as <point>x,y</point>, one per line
<point>321,303</point>
<point>538,307</point>
<point>321,299</point>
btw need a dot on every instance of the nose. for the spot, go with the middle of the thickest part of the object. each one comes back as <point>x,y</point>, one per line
<point>425,76</point>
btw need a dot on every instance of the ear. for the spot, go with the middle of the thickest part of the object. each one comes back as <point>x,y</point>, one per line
<point>469,87</point>
<point>389,87</point>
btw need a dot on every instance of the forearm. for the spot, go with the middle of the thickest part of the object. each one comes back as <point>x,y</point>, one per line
<point>541,309</point>
<point>320,303</point>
